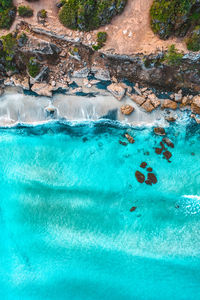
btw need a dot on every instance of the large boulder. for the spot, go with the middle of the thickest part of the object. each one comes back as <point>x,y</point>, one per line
<point>20,81</point>
<point>169,104</point>
<point>154,100</point>
<point>116,90</point>
<point>100,74</point>
<point>127,109</point>
<point>137,99</point>
<point>148,106</point>
<point>196,105</point>
<point>42,89</point>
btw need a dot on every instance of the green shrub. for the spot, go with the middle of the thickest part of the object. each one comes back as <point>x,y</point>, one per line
<point>193,42</point>
<point>33,67</point>
<point>171,17</point>
<point>7,13</point>
<point>173,57</point>
<point>101,39</point>
<point>25,11</point>
<point>43,13</point>
<point>89,14</point>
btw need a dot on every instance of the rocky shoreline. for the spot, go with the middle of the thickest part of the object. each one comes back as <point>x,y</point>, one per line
<point>75,69</point>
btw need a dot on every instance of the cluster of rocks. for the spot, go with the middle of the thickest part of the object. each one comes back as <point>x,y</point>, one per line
<point>151,177</point>
<point>147,100</point>
<point>165,141</point>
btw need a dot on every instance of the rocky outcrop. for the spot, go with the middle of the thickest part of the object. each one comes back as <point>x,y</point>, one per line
<point>195,106</point>
<point>127,109</point>
<point>169,104</point>
<point>42,89</point>
<point>116,90</point>
<point>148,106</point>
<point>137,99</point>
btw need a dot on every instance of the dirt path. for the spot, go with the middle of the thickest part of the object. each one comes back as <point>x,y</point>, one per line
<point>128,33</point>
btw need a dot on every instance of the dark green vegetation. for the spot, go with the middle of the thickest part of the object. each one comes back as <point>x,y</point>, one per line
<point>8,44</point>
<point>25,11</point>
<point>176,18</point>
<point>33,67</point>
<point>7,13</point>
<point>101,39</point>
<point>193,41</point>
<point>173,57</point>
<point>87,15</point>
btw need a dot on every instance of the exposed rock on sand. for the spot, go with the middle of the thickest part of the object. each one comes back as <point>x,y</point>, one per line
<point>148,106</point>
<point>137,99</point>
<point>116,90</point>
<point>42,89</point>
<point>20,81</point>
<point>196,105</point>
<point>127,109</point>
<point>154,100</point>
<point>169,104</point>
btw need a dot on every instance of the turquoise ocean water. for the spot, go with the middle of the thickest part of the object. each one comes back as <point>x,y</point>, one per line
<point>66,230</point>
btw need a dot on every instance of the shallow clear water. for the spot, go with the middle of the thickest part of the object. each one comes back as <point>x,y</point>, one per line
<point>66,227</point>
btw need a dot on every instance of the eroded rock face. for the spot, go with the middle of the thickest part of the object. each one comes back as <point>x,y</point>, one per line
<point>116,90</point>
<point>169,104</point>
<point>127,109</point>
<point>196,105</point>
<point>140,177</point>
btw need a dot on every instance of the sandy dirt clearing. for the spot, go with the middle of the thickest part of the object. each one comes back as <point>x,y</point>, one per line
<point>128,33</point>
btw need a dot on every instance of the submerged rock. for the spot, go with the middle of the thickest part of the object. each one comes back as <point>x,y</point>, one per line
<point>168,142</point>
<point>140,177</point>
<point>133,208</point>
<point>123,143</point>
<point>159,131</point>
<point>158,150</point>
<point>143,165</point>
<point>130,138</point>
<point>167,155</point>
<point>127,109</point>
<point>152,178</point>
